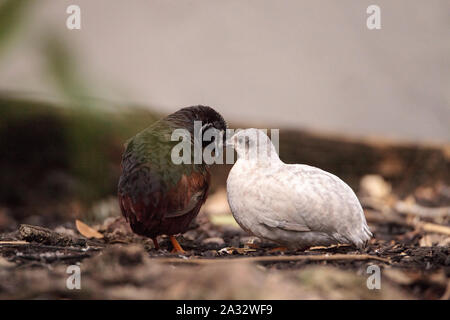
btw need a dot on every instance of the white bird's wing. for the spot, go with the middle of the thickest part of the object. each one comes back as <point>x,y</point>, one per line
<point>288,226</point>
<point>304,198</point>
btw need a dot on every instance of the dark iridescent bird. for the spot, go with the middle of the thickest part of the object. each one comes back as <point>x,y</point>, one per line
<point>157,196</point>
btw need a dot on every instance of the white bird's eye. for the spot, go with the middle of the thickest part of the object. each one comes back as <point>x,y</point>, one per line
<point>247,142</point>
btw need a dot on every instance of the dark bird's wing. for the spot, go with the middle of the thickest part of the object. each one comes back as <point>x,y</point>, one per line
<point>189,194</point>
<point>153,211</point>
<point>157,196</point>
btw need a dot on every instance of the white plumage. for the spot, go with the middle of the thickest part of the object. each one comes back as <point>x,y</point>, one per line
<point>292,204</point>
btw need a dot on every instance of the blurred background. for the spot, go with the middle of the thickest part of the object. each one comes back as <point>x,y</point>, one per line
<point>371,106</point>
<point>341,94</point>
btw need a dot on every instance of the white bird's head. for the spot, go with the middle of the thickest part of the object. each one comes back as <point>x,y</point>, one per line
<point>254,145</point>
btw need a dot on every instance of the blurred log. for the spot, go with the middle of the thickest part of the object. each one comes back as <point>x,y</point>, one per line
<point>423,212</point>
<point>46,236</point>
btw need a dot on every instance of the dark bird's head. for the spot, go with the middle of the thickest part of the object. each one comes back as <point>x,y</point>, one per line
<point>207,116</point>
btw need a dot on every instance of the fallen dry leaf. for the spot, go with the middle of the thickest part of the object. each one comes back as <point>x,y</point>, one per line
<point>87,231</point>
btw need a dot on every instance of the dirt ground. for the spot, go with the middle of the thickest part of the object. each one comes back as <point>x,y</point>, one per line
<point>222,262</point>
<point>404,190</point>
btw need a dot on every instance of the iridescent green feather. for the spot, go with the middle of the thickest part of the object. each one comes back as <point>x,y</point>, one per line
<point>152,148</point>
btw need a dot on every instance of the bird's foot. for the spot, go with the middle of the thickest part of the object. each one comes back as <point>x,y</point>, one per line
<point>176,246</point>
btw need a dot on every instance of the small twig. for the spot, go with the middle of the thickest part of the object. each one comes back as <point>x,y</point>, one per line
<point>355,257</point>
<point>48,247</point>
<point>14,243</point>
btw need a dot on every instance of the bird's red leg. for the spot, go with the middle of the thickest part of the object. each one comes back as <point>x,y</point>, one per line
<point>155,243</point>
<point>176,246</point>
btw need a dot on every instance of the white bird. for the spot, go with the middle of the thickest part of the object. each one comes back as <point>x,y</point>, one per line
<point>295,205</point>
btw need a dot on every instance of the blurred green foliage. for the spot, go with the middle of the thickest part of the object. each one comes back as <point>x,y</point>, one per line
<point>59,60</point>
<point>12,16</point>
<point>61,66</point>
<point>40,139</point>
<point>51,151</point>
